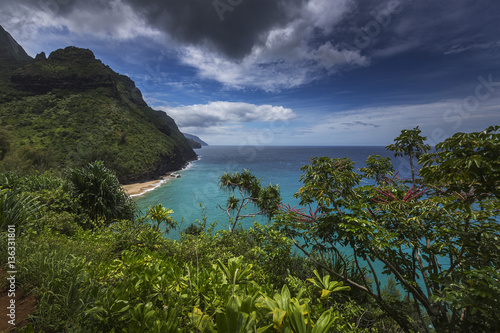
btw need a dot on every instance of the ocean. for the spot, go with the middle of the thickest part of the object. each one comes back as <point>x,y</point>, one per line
<point>198,183</point>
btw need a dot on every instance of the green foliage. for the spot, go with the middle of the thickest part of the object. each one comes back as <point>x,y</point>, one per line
<point>273,252</point>
<point>162,215</point>
<point>32,182</point>
<point>477,297</point>
<point>330,187</point>
<point>409,143</point>
<point>432,242</point>
<point>437,243</point>
<point>193,229</point>
<point>60,284</point>
<point>17,209</point>
<point>52,268</point>
<point>466,163</point>
<point>220,298</point>
<point>126,277</point>
<point>99,193</point>
<point>260,245</point>
<point>58,209</point>
<point>378,168</point>
<point>4,143</point>
<point>292,314</point>
<point>265,199</point>
<point>326,286</point>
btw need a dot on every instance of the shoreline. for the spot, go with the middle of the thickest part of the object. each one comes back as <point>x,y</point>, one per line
<point>139,189</point>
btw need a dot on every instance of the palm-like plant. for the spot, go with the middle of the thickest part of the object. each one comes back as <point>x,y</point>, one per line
<point>17,209</point>
<point>162,215</point>
<point>100,193</point>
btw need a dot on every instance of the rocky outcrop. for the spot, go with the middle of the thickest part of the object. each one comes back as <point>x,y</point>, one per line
<point>10,50</point>
<point>12,55</point>
<point>71,69</point>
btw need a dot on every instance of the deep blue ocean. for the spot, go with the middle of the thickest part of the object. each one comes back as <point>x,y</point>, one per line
<point>198,183</point>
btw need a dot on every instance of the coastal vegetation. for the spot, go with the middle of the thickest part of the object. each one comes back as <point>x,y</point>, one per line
<point>437,235</point>
<point>68,109</point>
<point>94,269</point>
<point>94,265</point>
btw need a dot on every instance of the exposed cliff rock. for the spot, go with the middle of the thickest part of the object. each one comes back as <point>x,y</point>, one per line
<point>71,69</point>
<point>12,55</point>
<point>10,50</point>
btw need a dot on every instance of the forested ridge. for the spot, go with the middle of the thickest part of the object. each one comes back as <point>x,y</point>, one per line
<point>68,109</point>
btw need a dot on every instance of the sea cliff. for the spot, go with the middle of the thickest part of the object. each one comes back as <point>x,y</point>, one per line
<point>69,108</point>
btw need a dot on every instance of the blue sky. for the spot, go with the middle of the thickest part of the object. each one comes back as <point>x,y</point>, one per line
<point>295,72</point>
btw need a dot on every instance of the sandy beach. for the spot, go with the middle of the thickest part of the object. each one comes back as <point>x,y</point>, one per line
<point>138,189</point>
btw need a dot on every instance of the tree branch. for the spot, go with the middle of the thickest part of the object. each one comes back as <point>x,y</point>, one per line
<point>403,323</point>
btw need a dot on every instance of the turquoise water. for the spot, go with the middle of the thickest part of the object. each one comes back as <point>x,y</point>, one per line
<point>274,165</point>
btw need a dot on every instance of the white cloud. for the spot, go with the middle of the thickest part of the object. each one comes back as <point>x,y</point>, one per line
<point>222,113</point>
<point>473,47</point>
<point>34,26</point>
<point>251,72</point>
<point>325,14</point>
<point>116,20</point>
<point>376,126</point>
<point>330,57</point>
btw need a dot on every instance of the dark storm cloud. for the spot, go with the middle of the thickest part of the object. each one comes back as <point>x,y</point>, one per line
<point>372,27</point>
<point>232,30</point>
<point>232,27</point>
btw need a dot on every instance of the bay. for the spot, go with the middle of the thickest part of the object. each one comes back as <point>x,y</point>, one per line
<point>198,183</point>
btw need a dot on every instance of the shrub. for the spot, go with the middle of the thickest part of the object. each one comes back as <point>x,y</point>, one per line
<point>100,194</point>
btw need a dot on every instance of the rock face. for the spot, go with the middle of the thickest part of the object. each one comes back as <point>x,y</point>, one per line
<point>12,55</point>
<point>10,50</point>
<point>69,108</point>
<point>69,69</point>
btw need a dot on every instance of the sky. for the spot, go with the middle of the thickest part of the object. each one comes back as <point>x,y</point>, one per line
<point>289,72</point>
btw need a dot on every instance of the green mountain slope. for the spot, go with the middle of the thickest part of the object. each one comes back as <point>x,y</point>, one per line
<point>70,108</point>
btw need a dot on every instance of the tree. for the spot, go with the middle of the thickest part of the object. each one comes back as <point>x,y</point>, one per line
<point>466,163</point>
<point>464,174</point>
<point>378,168</point>
<point>410,143</point>
<point>439,243</point>
<point>265,199</point>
